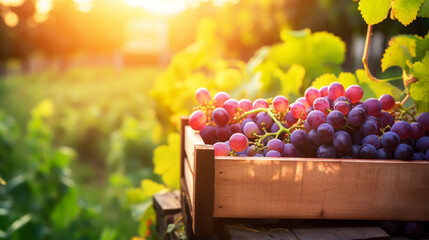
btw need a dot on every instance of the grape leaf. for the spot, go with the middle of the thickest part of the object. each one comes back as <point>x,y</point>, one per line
<point>419,91</point>
<point>345,78</point>
<point>291,81</point>
<point>318,53</point>
<point>400,52</point>
<point>166,160</point>
<point>424,10</point>
<point>406,10</point>
<point>372,89</point>
<point>66,210</point>
<point>374,11</point>
<point>422,47</point>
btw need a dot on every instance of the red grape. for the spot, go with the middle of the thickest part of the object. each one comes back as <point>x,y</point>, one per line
<point>202,95</point>
<point>280,104</point>
<point>387,101</point>
<point>238,142</point>
<point>197,120</point>
<point>311,94</point>
<point>220,98</point>
<point>354,93</point>
<point>335,90</point>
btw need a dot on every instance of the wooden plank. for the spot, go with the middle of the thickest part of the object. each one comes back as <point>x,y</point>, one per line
<point>191,140</point>
<point>321,188</point>
<point>236,232</point>
<point>184,121</point>
<point>168,203</point>
<point>341,233</point>
<point>189,178</point>
<point>203,198</point>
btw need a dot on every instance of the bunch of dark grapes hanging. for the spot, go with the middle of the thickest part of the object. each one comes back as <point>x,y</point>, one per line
<point>330,122</point>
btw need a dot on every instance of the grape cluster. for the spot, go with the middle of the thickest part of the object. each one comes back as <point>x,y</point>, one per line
<point>330,122</point>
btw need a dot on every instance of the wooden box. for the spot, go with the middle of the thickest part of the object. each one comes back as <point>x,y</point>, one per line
<point>297,188</point>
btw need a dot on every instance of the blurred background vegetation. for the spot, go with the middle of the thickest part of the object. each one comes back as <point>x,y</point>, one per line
<point>91,92</point>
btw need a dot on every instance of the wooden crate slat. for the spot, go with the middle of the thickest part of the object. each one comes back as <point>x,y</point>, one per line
<point>167,203</point>
<point>191,140</point>
<point>321,189</point>
<point>189,181</point>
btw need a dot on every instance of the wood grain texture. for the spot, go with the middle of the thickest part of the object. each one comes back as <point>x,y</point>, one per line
<point>189,178</point>
<point>240,233</point>
<point>321,188</point>
<point>191,140</point>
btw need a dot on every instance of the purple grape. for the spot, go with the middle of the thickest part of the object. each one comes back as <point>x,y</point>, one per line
<point>422,145</point>
<point>223,132</point>
<point>382,153</point>
<point>307,126</point>
<point>289,150</point>
<point>367,151</point>
<point>414,229</point>
<point>236,128</point>
<point>231,106</point>
<point>354,93</point>
<point>404,152</point>
<point>342,142</point>
<point>326,132</point>
<point>417,131</point>
<point>386,119</point>
<point>375,120</point>
<point>273,153</point>
<point>238,142</point>
<point>313,137</point>
<point>251,151</point>
<point>403,129</point>
<point>336,90</point>
<point>290,119</point>
<point>315,118</point>
<point>390,141</point>
<point>373,140</point>
<point>323,91</point>
<point>368,128</point>
<point>391,227</point>
<point>208,134</point>
<point>275,144</point>
<point>373,106</point>
<point>311,94</point>
<point>221,149</point>
<point>309,149</point>
<point>342,106</point>
<point>259,155</point>
<point>356,117</point>
<point>427,155</point>
<point>357,137</point>
<point>423,119</point>
<point>336,119</point>
<point>387,101</point>
<point>322,104</point>
<point>419,156</point>
<point>298,138</point>
<point>360,106</point>
<point>326,151</point>
<point>355,151</point>
<point>220,116</point>
<point>331,103</point>
<point>264,120</point>
<point>220,98</point>
<point>251,129</point>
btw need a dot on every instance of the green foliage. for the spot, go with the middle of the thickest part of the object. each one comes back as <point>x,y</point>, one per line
<point>374,11</point>
<point>406,11</point>
<point>419,90</point>
<point>166,166</point>
<point>411,54</point>
<point>318,53</point>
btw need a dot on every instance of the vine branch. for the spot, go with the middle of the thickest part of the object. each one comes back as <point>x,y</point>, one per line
<point>365,54</point>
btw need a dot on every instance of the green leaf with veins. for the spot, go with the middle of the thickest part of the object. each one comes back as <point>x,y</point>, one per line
<point>406,10</point>
<point>374,11</point>
<point>424,10</point>
<point>166,160</point>
<point>419,91</point>
<point>422,47</point>
<point>372,89</point>
<point>400,52</point>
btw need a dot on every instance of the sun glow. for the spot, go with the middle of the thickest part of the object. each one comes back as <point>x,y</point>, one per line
<point>160,6</point>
